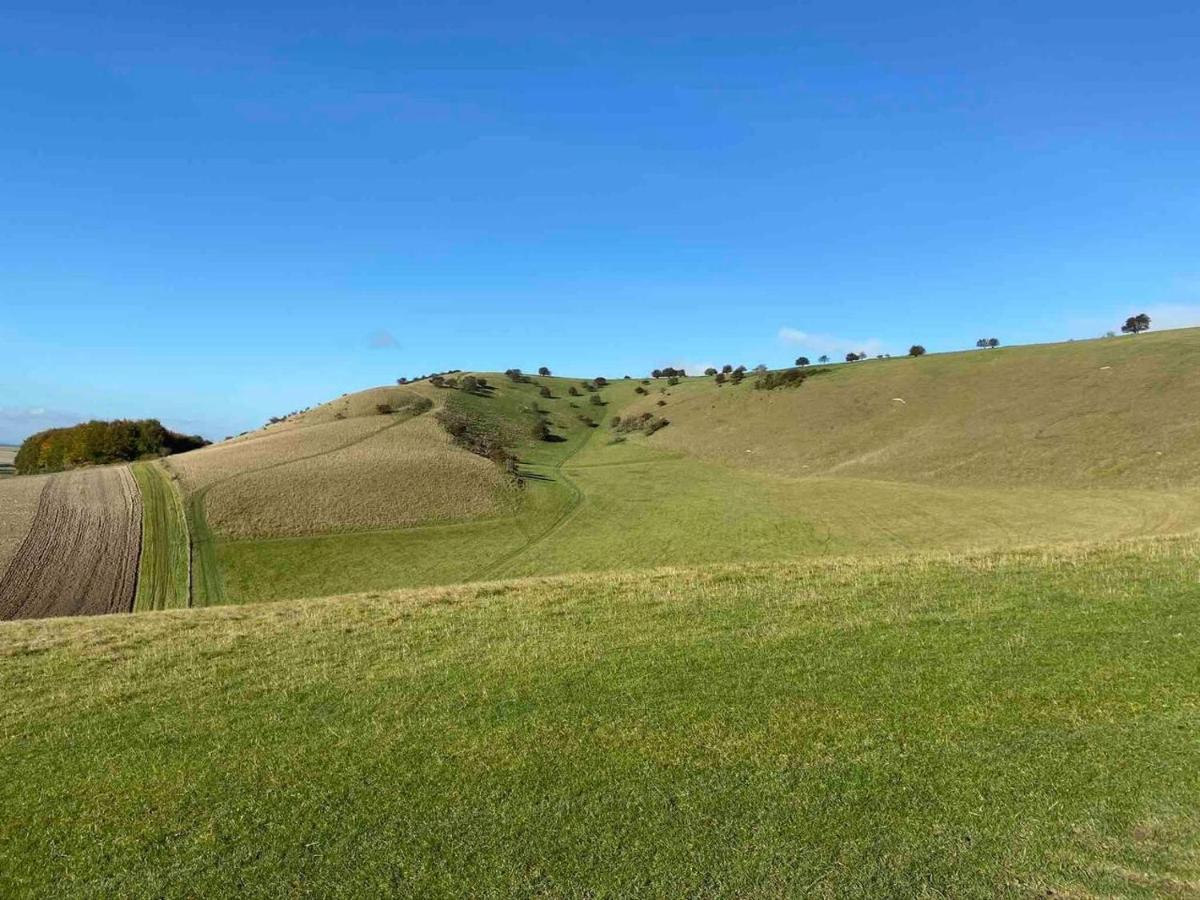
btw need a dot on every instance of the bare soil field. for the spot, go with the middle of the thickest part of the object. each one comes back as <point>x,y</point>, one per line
<point>405,475</point>
<point>80,556</point>
<point>18,505</point>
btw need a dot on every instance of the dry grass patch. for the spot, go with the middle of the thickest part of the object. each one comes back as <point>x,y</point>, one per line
<point>1118,412</point>
<point>402,476</point>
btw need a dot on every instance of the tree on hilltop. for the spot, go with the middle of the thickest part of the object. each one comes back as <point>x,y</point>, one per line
<point>802,361</point>
<point>543,371</point>
<point>1136,324</point>
<point>916,350</point>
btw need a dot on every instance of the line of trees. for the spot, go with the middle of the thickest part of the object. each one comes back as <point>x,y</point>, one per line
<point>98,443</point>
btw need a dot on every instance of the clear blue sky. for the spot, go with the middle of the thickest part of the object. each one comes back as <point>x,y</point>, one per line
<point>211,213</point>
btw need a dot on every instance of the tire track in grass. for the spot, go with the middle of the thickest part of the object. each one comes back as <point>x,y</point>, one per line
<point>163,571</point>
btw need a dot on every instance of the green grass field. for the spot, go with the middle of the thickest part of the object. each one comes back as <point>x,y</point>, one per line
<point>164,562</point>
<point>974,726</point>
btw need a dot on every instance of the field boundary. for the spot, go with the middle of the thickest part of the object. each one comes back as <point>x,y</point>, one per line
<point>164,568</point>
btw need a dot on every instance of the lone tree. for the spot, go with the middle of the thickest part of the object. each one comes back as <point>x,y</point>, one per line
<point>916,350</point>
<point>802,361</point>
<point>543,371</point>
<point>1136,324</point>
<point>710,371</point>
<point>823,358</point>
<point>852,357</point>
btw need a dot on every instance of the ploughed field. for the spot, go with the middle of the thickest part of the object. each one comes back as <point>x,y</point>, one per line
<point>80,553</point>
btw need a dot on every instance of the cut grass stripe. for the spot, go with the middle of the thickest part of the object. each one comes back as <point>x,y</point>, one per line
<point>163,568</point>
<point>207,585</point>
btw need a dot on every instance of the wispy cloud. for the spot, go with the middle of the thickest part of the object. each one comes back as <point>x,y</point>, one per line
<point>382,340</point>
<point>828,343</point>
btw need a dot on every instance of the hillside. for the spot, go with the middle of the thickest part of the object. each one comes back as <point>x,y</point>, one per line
<point>835,466</point>
<point>973,726</point>
<point>1091,440</point>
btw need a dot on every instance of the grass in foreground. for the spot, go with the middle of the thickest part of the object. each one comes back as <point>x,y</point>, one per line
<point>163,565</point>
<point>996,725</point>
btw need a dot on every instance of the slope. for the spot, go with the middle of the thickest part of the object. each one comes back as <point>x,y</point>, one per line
<point>1015,724</point>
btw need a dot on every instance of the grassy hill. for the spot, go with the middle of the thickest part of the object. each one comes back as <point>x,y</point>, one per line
<point>985,449</point>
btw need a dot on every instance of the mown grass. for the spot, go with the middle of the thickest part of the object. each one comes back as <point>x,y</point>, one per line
<point>997,725</point>
<point>163,566</point>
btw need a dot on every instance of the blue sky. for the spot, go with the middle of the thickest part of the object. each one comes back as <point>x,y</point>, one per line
<point>212,213</point>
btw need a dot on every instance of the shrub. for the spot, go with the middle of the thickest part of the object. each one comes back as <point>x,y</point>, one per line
<point>384,409</point>
<point>544,391</point>
<point>662,402</point>
<point>647,423</point>
<point>596,400</point>
<point>640,390</point>
<point>540,431</point>
<point>785,378</point>
<point>673,380</point>
<point>720,378</point>
<point>616,420</point>
<point>474,436</point>
<point>470,384</point>
<point>573,391</point>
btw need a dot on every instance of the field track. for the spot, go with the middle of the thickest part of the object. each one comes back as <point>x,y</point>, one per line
<point>163,566</point>
<point>81,554</point>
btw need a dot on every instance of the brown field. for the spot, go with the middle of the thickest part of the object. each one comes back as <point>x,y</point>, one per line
<point>18,505</point>
<point>80,556</point>
<point>400,476</point>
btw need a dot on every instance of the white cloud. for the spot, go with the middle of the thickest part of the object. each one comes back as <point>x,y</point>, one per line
<point>828,344</point>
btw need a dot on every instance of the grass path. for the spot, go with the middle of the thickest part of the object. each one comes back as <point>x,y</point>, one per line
<point>574,502</point>
<point>164,567</point>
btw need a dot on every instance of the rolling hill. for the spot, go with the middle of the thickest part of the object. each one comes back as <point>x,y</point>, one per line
<point>915,627</point>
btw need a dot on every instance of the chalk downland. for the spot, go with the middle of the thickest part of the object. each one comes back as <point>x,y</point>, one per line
<point>80,556</point>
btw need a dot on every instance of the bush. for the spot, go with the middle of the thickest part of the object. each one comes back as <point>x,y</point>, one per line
<point>474,436</point>
<point>540,431</point>
<point>647,423</point>
<point>784,378</point>
<point>720,378</point>
<point>384,409</point>
<point>573,391</point>
<point>673,380</point>
<point>544,391</point>
<point>640,390</point>
<point>662,402</point>
<point>595,400</point>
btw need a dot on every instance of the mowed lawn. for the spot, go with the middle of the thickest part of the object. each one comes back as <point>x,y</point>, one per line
<point>934,726</point>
